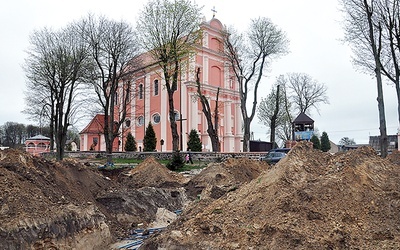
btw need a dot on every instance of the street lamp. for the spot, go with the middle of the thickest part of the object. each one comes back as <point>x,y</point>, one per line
<point>161,143</point>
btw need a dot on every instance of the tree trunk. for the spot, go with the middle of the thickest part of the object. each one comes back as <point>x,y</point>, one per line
<point>109,150</point>
<point>246,134</point>
<point>59,137</point>
<point>383,141</point>
<point>274,117</point>
<point>214,139</point>
<point>108,136</point>
<point>376,49</point>
<point>397,85</point>
<point>272,135</point>
<point>212,129</point>
<point>173,125</point>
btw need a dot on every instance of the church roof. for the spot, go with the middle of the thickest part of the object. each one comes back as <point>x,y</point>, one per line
<point>95,126</point>
<point>303,118</point>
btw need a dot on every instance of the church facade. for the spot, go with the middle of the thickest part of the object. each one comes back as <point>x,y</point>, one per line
<point>150,102</point>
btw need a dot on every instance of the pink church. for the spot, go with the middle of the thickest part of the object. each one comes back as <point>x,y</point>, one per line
<point>150,103</point>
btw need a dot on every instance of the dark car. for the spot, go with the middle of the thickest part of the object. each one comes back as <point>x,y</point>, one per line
<point>284,150</point>
<point>275,155</point>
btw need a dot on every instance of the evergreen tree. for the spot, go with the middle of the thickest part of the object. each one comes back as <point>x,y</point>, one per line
<point>325,144</point>
<point>177,162</point>
<point>149,140</point>
<point>194,142</point>
<point>130,144</point>
<point>316,142</point>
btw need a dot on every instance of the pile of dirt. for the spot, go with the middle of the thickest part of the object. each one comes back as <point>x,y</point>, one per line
<point>40,199</point>
<point>218,178</point>
<point>68,205</point>
<point>151,173</point>
<point>309,200</point>
<point>394,157</point>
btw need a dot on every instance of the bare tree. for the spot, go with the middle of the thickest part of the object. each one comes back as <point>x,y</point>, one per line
<point>212,124</point>
<point>41,77</point>
<point>346,141</point>
<point>169,31</point>
<point>363,31</point>
<point>56,66</point>
<point>249,56</point>
<point>14,134</point>
<point>305,92</point>
<point>388,13</point>
<point>275,112</point>
<point>114,55</point>
<point>270,111</point>
<point>39,101</point>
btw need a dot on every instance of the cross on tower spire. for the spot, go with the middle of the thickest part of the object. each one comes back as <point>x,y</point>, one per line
<point>214,11</point>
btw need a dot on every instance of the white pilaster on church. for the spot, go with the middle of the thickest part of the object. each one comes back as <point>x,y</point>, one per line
<point>227,79</point>
<point>229,139</point>
<point>205,39</point>
<point>205,70</point>
<point>185,114</point>
<point>193,121</point>
<point>133,110</point>
<point>228,118</point>
<point>147,94</point>
<point>238,120</point>
<point>238,128</point>
<point>164,113</point>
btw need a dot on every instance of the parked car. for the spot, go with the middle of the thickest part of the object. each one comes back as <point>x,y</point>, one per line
<point>275,155</point>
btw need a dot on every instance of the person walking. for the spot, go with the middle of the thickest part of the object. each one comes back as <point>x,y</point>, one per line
<point>190,156</point>
<point>187,158</point>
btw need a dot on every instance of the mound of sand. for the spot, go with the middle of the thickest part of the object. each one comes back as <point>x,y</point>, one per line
<point>225,176</point>
<point>43,201</point>
<point>309,200</point>
<point>151,173</point>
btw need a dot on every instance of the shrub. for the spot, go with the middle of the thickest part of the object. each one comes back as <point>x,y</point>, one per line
<point>194,142</point>
<point>176,162</point>
<point>130,144</point>
<point>149,140</point>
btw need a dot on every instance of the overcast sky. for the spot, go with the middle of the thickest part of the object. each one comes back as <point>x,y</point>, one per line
<point>312,26</point>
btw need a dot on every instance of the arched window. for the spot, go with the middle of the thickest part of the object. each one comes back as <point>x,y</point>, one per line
<point>156,87</point>
<point>177,116</point>
<point>141,91</point>
<point>156,118</point>
<point>140,121</point>
<point>216,76</point>
<point>41,145</point>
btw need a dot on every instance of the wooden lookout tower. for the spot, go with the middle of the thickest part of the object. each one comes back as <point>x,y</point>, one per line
<point>303,127</point>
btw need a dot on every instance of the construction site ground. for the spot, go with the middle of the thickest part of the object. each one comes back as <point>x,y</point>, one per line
<point>309,200</point>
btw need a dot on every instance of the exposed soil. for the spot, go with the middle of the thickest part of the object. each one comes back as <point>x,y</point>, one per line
<point>309,200</point>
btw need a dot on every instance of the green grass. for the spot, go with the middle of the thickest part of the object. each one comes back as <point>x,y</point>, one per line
<point>186,167</point>
<point>125,161</point>
<point>195,165</point>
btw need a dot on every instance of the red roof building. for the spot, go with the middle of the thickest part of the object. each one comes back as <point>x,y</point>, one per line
<point>92,136</point>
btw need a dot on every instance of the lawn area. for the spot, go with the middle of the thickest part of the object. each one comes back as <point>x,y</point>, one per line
<point>186,167</point>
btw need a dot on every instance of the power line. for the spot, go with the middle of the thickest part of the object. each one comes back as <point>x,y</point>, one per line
<point>355,130</point>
